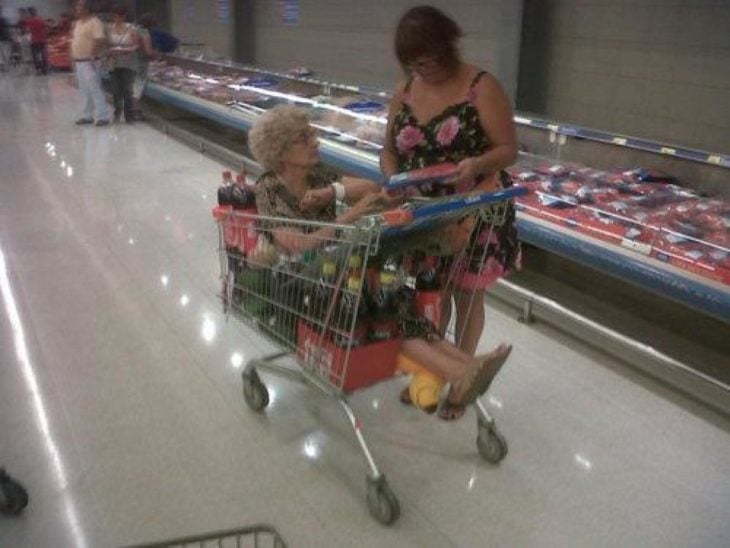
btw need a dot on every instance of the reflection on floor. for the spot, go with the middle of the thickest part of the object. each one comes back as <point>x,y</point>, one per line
<point>121,408</point>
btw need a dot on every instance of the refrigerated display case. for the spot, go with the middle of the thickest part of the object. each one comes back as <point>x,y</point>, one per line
<point>643,227</point>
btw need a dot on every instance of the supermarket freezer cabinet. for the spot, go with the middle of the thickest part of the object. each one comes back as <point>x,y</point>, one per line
<point>640,225</point>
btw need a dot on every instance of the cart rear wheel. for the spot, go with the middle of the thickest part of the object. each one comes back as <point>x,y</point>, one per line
<point>382,503</point>
<point>254,391</point>
<point>14,496</point>
<point>491,444</point>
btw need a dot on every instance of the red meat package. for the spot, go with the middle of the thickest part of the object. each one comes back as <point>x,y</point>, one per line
<point>553,170</point>
<point>523,175</point>
<point>720,238</point>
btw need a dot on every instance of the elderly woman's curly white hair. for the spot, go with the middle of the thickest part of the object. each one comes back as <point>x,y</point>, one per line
<point>274,131</point>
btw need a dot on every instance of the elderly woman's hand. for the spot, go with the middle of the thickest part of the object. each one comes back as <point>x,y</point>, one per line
<point>317,198</point>
<point>370,203</point>
<point>392,198</point>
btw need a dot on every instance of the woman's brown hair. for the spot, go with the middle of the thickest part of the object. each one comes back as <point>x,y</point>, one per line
<point>427,31</point>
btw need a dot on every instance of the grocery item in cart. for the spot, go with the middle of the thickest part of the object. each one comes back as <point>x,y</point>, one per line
<point>317,301</point>
<point>425,387</point>
<point>428,291</point>
<point>383,325</point>
<point>241,195</point>
<point>224,190</point>
<point>352,312</point>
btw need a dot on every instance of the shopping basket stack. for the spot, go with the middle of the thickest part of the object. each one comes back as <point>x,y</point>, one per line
<point>332,305</point>
<point>255,536</point>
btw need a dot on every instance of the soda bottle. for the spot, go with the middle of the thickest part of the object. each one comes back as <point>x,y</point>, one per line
<point>242,197</point>
<point>354,267</point>
<point>352,308</point>
<point>428,291</point>
<point>383,325</point>
<point>224,191</point>
<point>318,300</point>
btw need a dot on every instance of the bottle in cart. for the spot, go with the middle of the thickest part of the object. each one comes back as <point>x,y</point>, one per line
<point>352,308</point>
<point>318,300</point>
<point>224,191</point>
<point>384,325</point>
<point>242,196</point>
<point>428,291</point>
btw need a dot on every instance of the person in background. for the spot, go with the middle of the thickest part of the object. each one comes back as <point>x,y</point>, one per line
<point>145,53</point>
<point>123,47</point>
<point>293,187</point>
<point>87,42</point>
<point>64,24</point>
<point>22,18</point>
<point>6,41</point>
<point>38,28</point>
<point>447,110</point>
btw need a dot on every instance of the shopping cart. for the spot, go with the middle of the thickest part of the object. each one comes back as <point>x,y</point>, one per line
<point>307,303</point>
<point>13,496</point>
<point>256,536</point>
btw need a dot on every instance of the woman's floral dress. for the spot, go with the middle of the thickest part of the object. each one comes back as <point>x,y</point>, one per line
<point>451,136</point>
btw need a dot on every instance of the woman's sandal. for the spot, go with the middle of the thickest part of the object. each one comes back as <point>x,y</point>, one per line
<point>450,411</point>
<point>480,383</point>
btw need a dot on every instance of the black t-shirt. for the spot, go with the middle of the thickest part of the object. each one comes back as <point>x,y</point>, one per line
<point>4,30</point>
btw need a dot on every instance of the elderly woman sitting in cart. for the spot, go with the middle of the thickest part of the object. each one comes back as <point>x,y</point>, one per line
<point>294,186</point>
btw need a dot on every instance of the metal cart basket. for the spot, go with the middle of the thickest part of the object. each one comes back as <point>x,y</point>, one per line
<point>255,536</point>
<point>306,302</point>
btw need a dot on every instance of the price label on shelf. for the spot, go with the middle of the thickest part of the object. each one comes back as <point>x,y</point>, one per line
<point>715,159</point>
<point>639,247</point>
<point>553,127</point>
<point>619,141</point>
<point>668,150</point>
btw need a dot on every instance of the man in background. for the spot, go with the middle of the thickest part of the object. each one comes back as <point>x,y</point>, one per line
<point>6,43</point>
<point>38,29</point>
<point>87,43</point>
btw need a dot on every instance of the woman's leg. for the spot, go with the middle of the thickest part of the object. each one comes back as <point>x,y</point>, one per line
<point>453,352</point>
<point>468,376</point>
<point>87,102</point>
<point>115,78</point>
<point>431,356</point>
<point>97,93</point>
<point>127,86</point>
<point>469,319</point>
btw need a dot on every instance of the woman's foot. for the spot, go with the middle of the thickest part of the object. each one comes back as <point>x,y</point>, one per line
<point>475,382</point>
<point>451,411</point>
<point>405,396</point>
<point>493,362</point>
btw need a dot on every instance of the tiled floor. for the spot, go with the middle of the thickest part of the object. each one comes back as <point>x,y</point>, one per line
<point>121,410</point>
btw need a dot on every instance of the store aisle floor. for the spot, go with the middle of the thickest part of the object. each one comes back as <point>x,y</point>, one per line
<point>121,409</point>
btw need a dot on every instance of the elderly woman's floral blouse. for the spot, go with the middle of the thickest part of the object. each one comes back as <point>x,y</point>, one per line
<point>273,198</point>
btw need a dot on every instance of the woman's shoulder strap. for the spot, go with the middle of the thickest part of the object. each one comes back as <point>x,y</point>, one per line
<point>477,77</point>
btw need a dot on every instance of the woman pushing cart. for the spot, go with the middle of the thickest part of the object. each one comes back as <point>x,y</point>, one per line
<point>344,293</point>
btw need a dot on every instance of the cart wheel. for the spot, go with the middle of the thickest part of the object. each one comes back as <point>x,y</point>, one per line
<point>14,495</point>
<point>491,444</point>
<point>382,503</point>
<point>254,391</point>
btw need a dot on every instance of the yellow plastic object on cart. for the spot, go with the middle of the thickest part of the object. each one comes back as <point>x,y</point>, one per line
<point>425,387</point>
